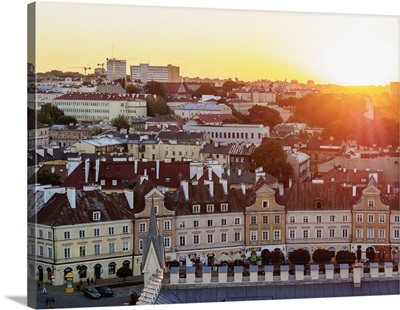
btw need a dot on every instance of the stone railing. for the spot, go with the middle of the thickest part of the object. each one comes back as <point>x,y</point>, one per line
<point>151,290</point>
<point>270,273</point>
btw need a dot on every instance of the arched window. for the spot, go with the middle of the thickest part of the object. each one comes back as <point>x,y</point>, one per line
<point>318,204</point>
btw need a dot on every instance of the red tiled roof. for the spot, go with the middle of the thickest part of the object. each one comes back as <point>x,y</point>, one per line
<point>213,118</point>
<point>59,169</point>
<point>100,96</point>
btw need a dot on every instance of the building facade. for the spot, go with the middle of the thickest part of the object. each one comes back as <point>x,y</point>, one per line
<point>116,69</point>
<point>146,73</point>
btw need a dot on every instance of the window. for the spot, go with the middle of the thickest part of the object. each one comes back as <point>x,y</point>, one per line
<point>253,220</point>
<point>224,207</point>
<point>396,234</point>
<point>305,233</point>
<point>182,224</point>
<point>319,219</point>
<point>292,234</point>
<point>331,233</point>
<point>277,219</point>
<point>82,250</point>
<point>265,204</point>
<point>277,234</point>
<point>114,182</point>
<point>82,233</point>
<point>397,218</point>
<point>370,218</point>
<point>40,250</point>
<point>111,230</point>
<point>96,232</point>
<point>209,223</point>
<point>223,237</point>
<point>167,242</point>
<point>381,233</point>
<point>318,204</point>
<point>359,233</point>
<point>156,209</point>
<point>196,239</point>
<point>223,222</point>
<point>345,219</point>
<point>210,208</point>
<point>96,216</point>
<point>196,208</point>
<point>40,233</point>
<point>182,240</point>
<point>125,246</point>
<point>370,233</point>
<point>96,249</point>
<point>32,232</point>
<point>210,238</point>
<point>318,233</point>
<point>167,225</point>
<point>332,218</point>
<point>253,235</point>
<point>382,218</point>
<point>265,219</point>
<point>125,229</point>
<point>142,227</point>
<point>238,236</point>
<point>67,235</point>
<point>359,218</point>
<point>305,219</point>
<point>237,220</point>
<point>111,268</point>
<point>67,252</point>
<point>371,203</point>
<point>195,223</point>
<point>344,233</point>
<point>49,252</point>
<point>292,219</point>
<point>111,247</point>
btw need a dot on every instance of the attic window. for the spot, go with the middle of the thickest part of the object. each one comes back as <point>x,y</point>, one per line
<point>224,207</point>
<point>210,208</point>
<point>167,180</point>
<point>364,180</point>
<point>96,216</point>
<point>318,204</point>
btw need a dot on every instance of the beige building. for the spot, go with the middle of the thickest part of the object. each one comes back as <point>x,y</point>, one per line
<point>38,135</point>
<point>146,73</point>
<point>93,238</point>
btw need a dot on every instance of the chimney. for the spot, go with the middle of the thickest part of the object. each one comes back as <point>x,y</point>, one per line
<point>97,169</point>
<point>224,183</point>
<point>52,169</point>
<point>145,172</point>
<point>281,189</point>
<point>185,187</point>
<point>239,172</point>
<point>129,197</point>
<point>157,169</point>
<point>243,186</point>
<point>228,172</point>
<point>136,166</point>
<point>211,188</point>
<point>290,182</point>
<point>143,177</point>
<point>87,162</point>
<point>388,188</point>
<point>354,190</point>
<point>209,173</point>
<point>71,195</point>
<point>355,170</point>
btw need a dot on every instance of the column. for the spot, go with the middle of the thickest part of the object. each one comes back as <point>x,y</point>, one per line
<point>388,269</point>
<point>190,274</point>
<point>344,271</point>
<point>253,273</point>
<point>314,272</point>
<point>237,273</point>
<point>206,274</point>
<point>358,271</point>
<point>284,272</point>
<point>222,274</point>
<point>299,272</point>
<point>269,273</point>
<point>374,270</point>
<point>174,275</point>
<point>329,269</point>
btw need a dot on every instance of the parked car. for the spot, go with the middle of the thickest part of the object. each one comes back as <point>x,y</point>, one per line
<point>106,291</point>
<point>92,293</point>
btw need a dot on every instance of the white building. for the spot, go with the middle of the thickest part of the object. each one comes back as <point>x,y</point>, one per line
<point>116,69</point>
<point>98,106</point>
<point>146,73</point>
<point>191,109</point>
<point>232,133</point>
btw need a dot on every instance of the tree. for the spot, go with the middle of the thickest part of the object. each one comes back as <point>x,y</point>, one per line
<point>121,121</point>
<point>345,257</point>
<point>49,114</point>
<point>271,156</point>
<point>45,177</point>
<point>229,85</point>
<point>276,257</point>
<point>299,257</point>
<point>66,120</point>
<point>205,89</point>
<point>156,106</point>
<point>155,88</point>
<point>133,89</point>
<point>124,272</point>
<point>322,256</point>
<point>262,115</point>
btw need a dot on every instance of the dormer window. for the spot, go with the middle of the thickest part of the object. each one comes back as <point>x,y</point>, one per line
<point>318,204</point>
<point>371,203</point>
<point>196,208</point>
<point>224,207</point>
<point>210,208</point>
<point>96,216</point>
<point>265,204</point>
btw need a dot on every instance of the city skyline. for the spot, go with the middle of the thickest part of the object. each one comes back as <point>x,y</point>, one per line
<point>343,49</point>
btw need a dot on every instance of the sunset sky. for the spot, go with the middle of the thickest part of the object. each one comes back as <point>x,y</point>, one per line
<point>344,49</point>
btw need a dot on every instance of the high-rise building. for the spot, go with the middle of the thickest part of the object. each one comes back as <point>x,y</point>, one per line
<point>116,69</point>
<point>145,73</point>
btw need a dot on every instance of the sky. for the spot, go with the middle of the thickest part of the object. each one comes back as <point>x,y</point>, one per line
<point>346,49</point>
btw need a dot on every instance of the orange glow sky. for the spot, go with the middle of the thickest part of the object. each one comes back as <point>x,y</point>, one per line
<point>327,48</point>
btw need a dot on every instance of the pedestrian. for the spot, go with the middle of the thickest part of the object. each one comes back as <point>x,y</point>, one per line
<point>47,302</point>
<point>91,280</point>
<point>94,279</point>
<point>44,291</point>
<point>88,281</point>
<point>52,302</point>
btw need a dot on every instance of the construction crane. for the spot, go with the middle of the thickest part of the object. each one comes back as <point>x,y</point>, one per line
<point>102,65</point>
<point>84,68</point>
